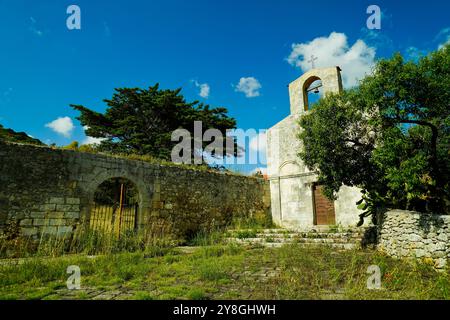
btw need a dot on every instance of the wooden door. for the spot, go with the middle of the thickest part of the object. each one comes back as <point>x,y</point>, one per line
<point>323,208</point>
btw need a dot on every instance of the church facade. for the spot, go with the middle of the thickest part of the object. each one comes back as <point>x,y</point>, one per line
<point>297,199</point>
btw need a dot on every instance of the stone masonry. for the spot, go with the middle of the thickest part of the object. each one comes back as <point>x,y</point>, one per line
<point>51,191</point>
<point>408,234</point>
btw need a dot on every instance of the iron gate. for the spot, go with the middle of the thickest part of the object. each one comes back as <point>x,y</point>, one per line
<point>115,217</point>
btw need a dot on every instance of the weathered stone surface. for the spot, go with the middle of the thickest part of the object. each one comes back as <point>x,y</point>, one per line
<point>72,215</point>
<point>44,189</point>
<point>55,215</point>
<point>56,222</point>
<point>55,200</point>
<point>29,232</point>
<point>48,207</point>
<point>38,215</point>
<point>63,207</point>
<point>49,230</point>
<point>411,234</point>
<point>62,230</point>
<point>26,222</point>
<point>73,200</point>
<point>442,237</point>
<point>40,222</point>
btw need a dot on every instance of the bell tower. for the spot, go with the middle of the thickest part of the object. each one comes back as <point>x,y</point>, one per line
<point>329,79</point>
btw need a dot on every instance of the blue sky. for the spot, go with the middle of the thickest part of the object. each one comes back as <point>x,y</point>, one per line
<point>44,67</point>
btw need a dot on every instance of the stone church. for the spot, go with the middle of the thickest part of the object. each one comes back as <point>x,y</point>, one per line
<point>297,200</point>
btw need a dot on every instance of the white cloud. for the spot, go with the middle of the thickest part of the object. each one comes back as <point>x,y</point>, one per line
<point>91,140</point>
<point>356,61</point>
<point>62,125</point>
<point>377,38</point>
<point>34,29</point>
<point>204,89</point>
<point>414,53</point>
<point>443,37</point>
<point>250,86</point>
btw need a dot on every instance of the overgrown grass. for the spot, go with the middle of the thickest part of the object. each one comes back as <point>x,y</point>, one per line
<point>240,228</point>
<point>226,272</point>
<point>246,233</point>
<point>206,238</point>
<point>258,222</point>
<point>82,241</point>
<point>309,273</point>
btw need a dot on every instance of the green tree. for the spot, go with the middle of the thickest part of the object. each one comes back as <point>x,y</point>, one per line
<point>141,121</point>
<point>389,136</point>
<point>74,145</point>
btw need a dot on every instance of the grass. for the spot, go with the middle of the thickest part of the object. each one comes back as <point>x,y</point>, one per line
<point>257,222</point>
<point>244,228</point>
<point>225,272</point>
<point>206,238</point>
<point>89,242</point>
<point>245,234</point>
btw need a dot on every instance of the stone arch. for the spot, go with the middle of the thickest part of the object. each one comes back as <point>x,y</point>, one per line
<point>289,167</point>
<point>331,82</point>
<point>308,82</point>
<point>144,192</point>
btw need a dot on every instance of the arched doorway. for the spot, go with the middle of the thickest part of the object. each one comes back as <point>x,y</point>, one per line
<point>115,207</point>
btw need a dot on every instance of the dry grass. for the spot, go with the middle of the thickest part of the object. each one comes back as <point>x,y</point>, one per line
<point>227,272</point>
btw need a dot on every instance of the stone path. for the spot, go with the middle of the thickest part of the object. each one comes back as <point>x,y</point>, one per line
<point>239,286</point>
<point>92,294</point>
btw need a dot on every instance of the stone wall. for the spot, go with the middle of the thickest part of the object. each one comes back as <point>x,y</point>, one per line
<point>408,234</point>
<point>51,191</point>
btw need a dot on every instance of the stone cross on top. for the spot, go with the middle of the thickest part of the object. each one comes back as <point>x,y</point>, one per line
<point>311,60</point>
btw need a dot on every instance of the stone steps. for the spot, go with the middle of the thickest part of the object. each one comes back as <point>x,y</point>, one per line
<point>343,246</point>
<point>296,240</point>
<point>358,231</point>
<point>279,237</point>
<point>312,235</point>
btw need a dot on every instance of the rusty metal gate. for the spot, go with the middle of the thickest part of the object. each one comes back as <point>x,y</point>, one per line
<point>116,217</point>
